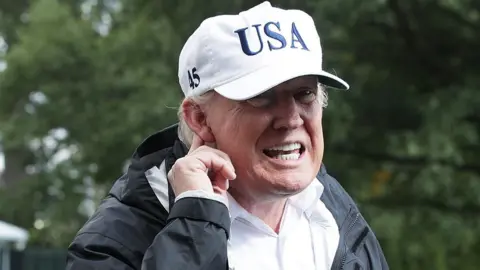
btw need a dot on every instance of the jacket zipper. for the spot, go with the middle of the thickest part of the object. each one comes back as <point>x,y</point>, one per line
<point>344,249</point>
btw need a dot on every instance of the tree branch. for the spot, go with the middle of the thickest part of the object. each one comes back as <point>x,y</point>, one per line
<point>403,24</point>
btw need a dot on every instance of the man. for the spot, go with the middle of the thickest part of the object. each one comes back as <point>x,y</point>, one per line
<point>241,185</point>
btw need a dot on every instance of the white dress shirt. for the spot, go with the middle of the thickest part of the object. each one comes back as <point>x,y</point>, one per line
<point>308,237</point>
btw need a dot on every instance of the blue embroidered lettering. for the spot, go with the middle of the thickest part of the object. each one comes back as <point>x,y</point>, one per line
<point>273,32</point>
<point>274,35</point>
<point>297,38</point>
<point>244,42</point>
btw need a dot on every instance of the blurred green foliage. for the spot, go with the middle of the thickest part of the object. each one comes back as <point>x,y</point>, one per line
<point>91,79</point>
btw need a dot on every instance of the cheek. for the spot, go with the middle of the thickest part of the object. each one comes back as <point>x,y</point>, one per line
<point>220,119</point>
<point>239,133</point>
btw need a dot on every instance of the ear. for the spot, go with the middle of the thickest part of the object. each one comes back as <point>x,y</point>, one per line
<point>196,119</point>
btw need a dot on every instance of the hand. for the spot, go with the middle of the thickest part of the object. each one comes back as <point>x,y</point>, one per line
<point>203,168</point>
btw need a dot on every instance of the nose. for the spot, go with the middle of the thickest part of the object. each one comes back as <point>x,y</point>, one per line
<point>287,114</point>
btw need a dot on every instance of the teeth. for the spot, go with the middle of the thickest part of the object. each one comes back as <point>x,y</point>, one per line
<point>286,147</point>
<point>293,156</point>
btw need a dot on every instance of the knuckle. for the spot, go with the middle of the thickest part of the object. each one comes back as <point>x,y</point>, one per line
<point>225,156</point>
<point>197,151</point>
<point>180,164</point>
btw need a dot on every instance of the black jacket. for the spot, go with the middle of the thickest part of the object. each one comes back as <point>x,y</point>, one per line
<point>132,230</point>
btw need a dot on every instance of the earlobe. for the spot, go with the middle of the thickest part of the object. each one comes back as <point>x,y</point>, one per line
<point>196,119</point>
<point>206,135</point>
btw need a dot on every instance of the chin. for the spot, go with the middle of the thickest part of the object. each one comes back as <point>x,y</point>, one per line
<point>292,184</point>
<point>281,178</point>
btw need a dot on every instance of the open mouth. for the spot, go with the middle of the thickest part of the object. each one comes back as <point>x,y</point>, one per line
<point>290,151</point>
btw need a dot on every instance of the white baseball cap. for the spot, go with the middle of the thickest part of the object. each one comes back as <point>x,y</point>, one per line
<point>241,56</point>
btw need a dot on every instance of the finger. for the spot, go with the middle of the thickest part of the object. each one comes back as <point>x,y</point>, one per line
<point>221,154</point>
<point>220,179</point>
<point>221,182</point>
<point>217,164</point>
<point>196,143</point>
<point>219,191</point>
<point>211,145</point>
<point>227,171</point>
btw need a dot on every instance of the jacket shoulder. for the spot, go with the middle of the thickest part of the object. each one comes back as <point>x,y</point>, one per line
<point>122,231</point>
<point>358,246</point>
<point>95,251</point>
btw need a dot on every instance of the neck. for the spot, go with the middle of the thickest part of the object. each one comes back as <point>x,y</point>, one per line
<point>269,211</point>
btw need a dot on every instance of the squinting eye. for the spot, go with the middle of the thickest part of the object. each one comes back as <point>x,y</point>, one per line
<point>259,102</point>
<point>306,96</point>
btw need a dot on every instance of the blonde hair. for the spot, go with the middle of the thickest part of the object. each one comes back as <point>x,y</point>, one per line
<point>185,133</point>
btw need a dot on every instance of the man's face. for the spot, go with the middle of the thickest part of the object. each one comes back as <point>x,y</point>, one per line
<point>275,140</point>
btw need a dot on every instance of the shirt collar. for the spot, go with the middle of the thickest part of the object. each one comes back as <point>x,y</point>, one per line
<point>305,201</point>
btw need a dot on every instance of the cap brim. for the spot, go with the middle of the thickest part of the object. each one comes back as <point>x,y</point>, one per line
<point>269,76</point>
